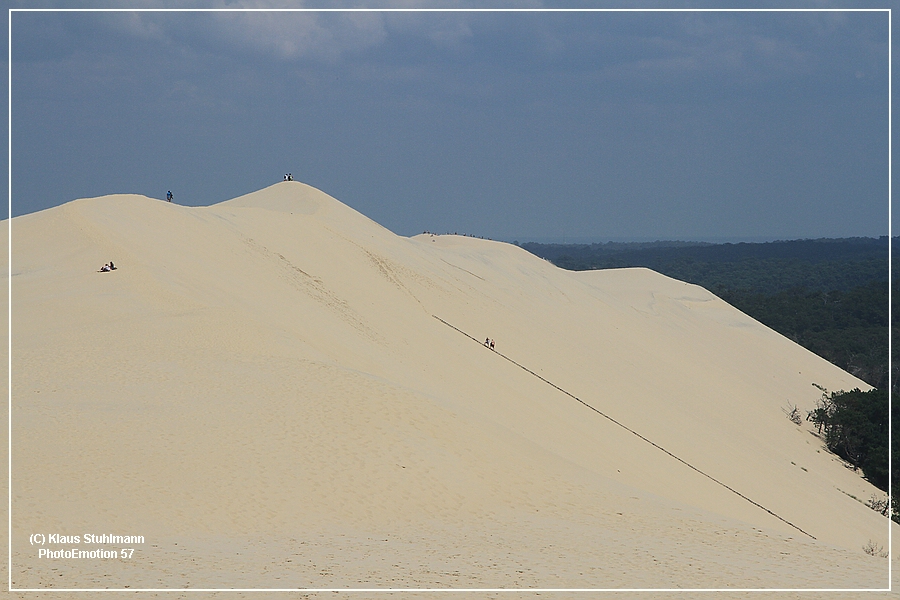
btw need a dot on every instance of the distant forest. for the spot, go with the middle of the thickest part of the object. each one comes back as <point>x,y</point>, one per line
<point>828,295</point>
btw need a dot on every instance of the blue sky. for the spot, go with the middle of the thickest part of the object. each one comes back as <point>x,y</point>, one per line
<point>529,126</point>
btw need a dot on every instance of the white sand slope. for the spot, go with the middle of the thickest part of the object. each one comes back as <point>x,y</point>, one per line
<point>263,391</point>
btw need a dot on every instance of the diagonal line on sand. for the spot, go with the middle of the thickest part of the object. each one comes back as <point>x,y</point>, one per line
<point>625,427</point>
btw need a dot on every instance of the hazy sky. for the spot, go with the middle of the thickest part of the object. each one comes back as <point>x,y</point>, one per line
<point>529,126</point>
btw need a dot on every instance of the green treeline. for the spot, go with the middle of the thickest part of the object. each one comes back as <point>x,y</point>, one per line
<point>855,427</point>
<point>828,295</point>
<point>818,265</point>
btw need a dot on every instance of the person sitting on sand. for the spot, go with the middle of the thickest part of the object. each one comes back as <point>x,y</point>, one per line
<point>492,344</point>
<point>487,342</point>
<point>112,267</point>
<point>104,269</point>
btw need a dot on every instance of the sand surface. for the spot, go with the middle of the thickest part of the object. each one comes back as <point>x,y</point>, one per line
<point>277,392</point>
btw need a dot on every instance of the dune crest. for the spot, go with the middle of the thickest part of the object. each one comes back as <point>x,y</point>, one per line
<point>279,376</point>
<point>289,197</point>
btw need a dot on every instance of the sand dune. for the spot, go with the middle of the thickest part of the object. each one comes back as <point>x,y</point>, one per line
<point>277,391</point>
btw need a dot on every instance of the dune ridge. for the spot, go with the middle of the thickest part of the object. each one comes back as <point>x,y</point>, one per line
<point>262,383</point>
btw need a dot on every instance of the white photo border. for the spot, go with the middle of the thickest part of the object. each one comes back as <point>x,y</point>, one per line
<point>444,10</point>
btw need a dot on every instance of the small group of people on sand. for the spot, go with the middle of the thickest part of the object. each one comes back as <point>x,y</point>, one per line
<point>489,343</point>
<point>471,235</point>
<point>288,177</point>
<point>107,267</point>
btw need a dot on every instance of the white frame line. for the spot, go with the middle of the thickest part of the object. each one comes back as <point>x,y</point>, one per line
<point>9,302</point>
